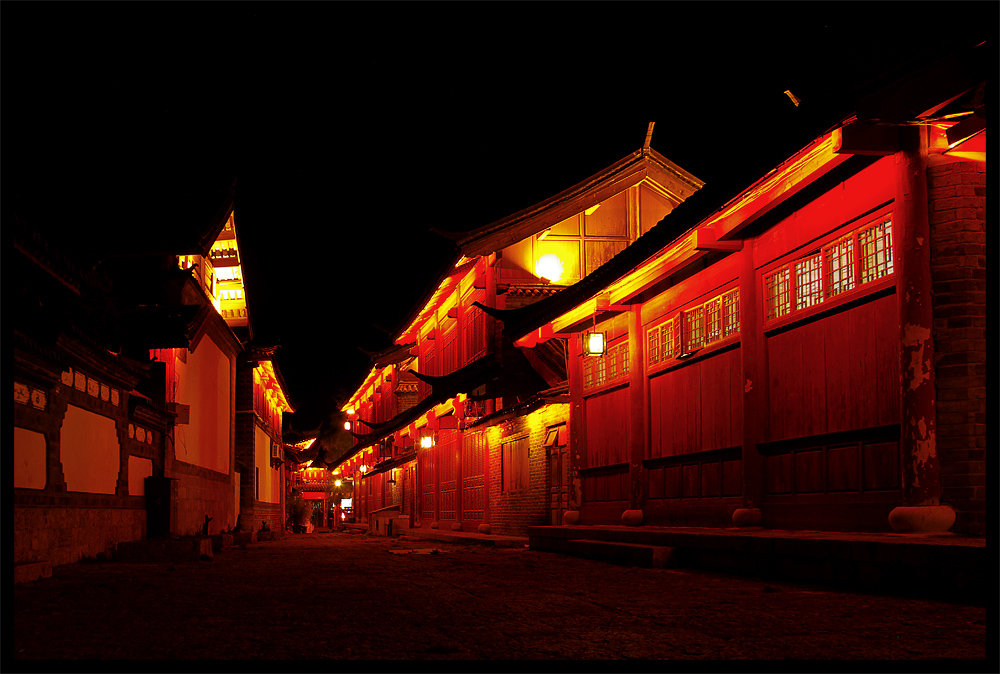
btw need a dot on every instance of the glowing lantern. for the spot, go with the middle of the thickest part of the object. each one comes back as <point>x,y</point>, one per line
<point>347,425</point>
<point>337,483</point>
<point>549,267</point>
<point>593,344</point>
<point>427,441</point>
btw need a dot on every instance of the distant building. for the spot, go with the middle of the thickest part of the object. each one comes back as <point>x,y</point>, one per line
<point>455,426</point>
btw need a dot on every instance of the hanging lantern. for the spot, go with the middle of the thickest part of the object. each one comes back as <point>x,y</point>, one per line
<point>594,343</point>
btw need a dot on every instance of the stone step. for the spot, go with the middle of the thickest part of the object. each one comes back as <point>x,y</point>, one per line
<point>165,550</point>
<point>629,554</point>
<point>24,573</point>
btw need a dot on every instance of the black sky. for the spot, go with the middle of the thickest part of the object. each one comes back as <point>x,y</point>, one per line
<point>352,129</point>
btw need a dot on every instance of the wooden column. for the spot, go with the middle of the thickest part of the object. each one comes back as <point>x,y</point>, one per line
<point>755,403</point>
<point>638,406</point>
<point>920,469</point>
<point>577,432</point>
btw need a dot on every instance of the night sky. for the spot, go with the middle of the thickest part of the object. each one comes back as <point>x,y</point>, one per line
<point>353,129</point>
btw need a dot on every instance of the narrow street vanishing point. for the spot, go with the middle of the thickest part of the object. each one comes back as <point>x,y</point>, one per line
<point>311,597</point>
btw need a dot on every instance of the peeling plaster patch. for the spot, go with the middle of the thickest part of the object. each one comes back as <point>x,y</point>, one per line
<point>920,241</point>
<point>748,387</point>
<point>923,452</point>
<point>917,339</point>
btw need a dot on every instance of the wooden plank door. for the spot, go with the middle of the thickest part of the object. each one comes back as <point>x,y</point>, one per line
<point>558,484</point>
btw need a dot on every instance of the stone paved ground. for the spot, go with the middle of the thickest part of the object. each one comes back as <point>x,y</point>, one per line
<point>343,596</point>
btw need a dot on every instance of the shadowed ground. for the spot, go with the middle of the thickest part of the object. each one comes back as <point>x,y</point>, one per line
<point>344,596</point>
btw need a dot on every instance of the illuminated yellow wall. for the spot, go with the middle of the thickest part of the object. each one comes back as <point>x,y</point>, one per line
<point>204,384</point>
<point>29,459</point>
<point>138,470</point>
<point>89,452</point>
<point>270,484</point>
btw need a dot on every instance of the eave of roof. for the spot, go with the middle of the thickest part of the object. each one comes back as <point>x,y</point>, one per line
<point>444,388</point>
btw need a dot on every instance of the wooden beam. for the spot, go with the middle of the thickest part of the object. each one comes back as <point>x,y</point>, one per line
<point>705,239</point>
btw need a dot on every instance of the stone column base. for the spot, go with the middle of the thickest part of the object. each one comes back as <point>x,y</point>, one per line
<point>434,525</point>
<point>747,517</point>
<point>632,518</point>
<point>484,528</point>
<point>921,519</point>
<point>571,517</point>
<point>456,526</point>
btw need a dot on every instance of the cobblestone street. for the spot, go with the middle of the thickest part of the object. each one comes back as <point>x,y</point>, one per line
<point>311,597</point>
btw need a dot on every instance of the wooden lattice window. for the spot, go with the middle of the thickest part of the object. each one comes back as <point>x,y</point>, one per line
<point>731,312</point>
<point>670,337</point>
<point>594,372</point>
<point>875,254</point>
<point>776,292</point>
<point>713,320</point>
<point>613,365</point>
<point>809,281</point>
<point>848,262</point>
<point>694,329</point>
<point>653,345</point>
<point>838,260</point>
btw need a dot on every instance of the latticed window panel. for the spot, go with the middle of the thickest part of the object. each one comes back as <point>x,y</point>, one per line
<point>594,372</point>
<point>694,329</point>
<point>670,337</point>
<point>611,363</point>
<point>653,346</point>
<point>731,313</point>
<point>875,251</point>
<point>809,281</point>
<point>838,260</point>
<point>713,320</point>
<point>776,292</point>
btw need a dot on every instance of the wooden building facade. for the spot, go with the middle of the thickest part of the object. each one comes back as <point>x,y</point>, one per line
<point>811,355</point>
<point>457,428</point>
<point>128,393</point>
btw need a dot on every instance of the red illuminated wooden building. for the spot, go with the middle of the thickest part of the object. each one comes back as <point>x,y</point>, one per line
<point>457,428</point>
<point>808,353</point>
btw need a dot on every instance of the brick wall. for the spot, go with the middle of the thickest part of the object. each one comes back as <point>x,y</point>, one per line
<point>202,492</point>
<point>957,212</point>
<point>512,513</point>
<point>65,535</point>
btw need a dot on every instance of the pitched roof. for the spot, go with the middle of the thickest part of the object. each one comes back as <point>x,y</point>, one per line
<point>643,163</point>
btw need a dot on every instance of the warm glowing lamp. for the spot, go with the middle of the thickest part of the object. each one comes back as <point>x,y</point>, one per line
<point>549,267</point>
<point>593,344</point>
<point>337,483</point>
<point>363,468</point>
<point>347,425</point>
<point>427,441</point>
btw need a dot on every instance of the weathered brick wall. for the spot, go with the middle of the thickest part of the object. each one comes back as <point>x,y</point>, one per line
<point>202,492</point>
<point>272,513</point>
<point>957,212</point>
<point>512,513</point>
<point>65,535</point>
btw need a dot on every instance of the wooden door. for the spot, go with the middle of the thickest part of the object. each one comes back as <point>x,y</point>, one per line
<point>474,493</point>
<point>558,483</point>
